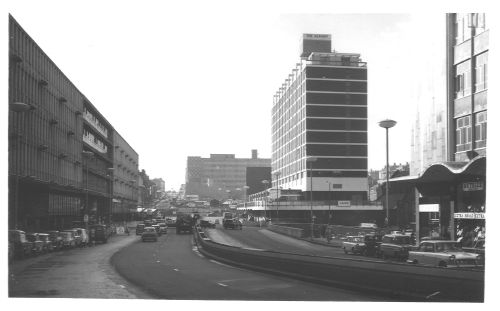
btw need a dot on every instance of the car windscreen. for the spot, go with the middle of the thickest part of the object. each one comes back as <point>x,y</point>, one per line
<point>402,240</point>
<point>447,247</point>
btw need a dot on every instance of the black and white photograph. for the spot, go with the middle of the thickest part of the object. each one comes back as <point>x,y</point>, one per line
<point>215,154</point>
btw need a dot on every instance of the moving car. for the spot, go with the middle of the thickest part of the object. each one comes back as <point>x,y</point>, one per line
<point>158,229</point>
<point>443,253</point>
<point>232,224</point>
<point>206,224</point>
<point>149,234</point>
<point>354,244</point>
<point>395,246</point>
<point>99,233</point>
<point>372,244</point>
<point>163,227</point>
<point>477,248</point>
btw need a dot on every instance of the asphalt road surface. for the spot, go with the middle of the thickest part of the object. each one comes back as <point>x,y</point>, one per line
<point>172,268</point>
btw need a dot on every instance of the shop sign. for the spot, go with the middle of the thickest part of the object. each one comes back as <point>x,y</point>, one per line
<point>469,216</point>
<point>344,203</point>
<point>472,186</point>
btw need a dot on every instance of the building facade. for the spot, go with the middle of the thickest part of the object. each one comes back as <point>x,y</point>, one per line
<point>221,176</point>
<point>125,179</point>
<point>320,112</point>
<point>60,146</point>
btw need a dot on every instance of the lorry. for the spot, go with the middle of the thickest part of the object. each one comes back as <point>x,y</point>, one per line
<point>184,223</point>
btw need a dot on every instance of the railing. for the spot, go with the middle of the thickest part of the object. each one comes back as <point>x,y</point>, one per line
<point>316,205</point>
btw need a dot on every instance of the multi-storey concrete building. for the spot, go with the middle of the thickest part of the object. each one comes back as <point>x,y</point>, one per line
<point>60,146</point>
<point>126,179</point>
<point>222,176</point>
<point>320,112</point>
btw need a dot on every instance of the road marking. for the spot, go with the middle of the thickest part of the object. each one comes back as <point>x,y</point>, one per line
<point>432,295</point>
<point>157,261</point>
<point>220,263</point>
<point>122,286</point>
<point>221,284</point>
<point>175,269</point>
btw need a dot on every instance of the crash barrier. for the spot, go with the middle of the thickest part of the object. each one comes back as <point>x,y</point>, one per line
<point>290,231</point>
<point>405,282</point>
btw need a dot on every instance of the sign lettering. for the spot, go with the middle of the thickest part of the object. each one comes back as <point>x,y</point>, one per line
<point>472,186</point>
<point>469,216</point>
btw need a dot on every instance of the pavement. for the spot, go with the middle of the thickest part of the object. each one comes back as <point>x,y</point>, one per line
<point>76,273</point>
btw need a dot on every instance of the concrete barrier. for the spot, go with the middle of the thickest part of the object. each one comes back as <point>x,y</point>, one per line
<point>403,281</point>
<point>290,231</point>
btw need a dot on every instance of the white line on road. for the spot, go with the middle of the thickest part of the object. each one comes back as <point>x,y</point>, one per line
<point>175,269</point>
<point>122,286</point>
<point>220,263</point>
<point>221,284</point>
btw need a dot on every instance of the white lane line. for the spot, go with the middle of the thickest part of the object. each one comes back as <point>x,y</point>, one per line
<point>221,284</point>
<point>175,269</point>
<point>122,286</point>
<point>220,263</point>
<point>157,261</point>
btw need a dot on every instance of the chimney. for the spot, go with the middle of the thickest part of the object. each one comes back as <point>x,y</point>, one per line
<point>254,154</point>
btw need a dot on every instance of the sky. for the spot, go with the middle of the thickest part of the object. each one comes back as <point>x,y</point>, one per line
<point>176,81</point>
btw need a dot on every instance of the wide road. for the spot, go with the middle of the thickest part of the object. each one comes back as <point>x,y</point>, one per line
<point>172,268</point>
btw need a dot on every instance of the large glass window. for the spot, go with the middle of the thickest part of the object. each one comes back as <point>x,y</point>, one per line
<point>481,129</point>
<point>463,82</point>
<point>463,134</point>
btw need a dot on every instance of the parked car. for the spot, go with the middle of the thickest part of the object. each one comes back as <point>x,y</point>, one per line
<point>354,244</point>
<point>84,236</point>
<point>76,237</point>
<point>56,239</point>
<point>47,243</point>
<point>171,222</point>
<point>37,244</point>
<point>372,244</point>
<point>68,239</point>
<point>232,224</point>
<point>163,227</point>
<point>149,234</point>
<point>443,253</point>
<point>395,246</point>
<point>139,229</point>
<point>22,247</point>
<point>98,233</point>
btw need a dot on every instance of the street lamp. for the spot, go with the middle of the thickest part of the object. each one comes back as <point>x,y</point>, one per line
<point>387,124</point>
<point>87,155</point>
<point>18,108</point>
<point>277,174</point>
<point>311,160</point>
<point>265,182</point>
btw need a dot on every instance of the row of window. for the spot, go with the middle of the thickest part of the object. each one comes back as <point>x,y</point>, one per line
<point>463,132</point>
<point>468,25</point>
<point>464,84</point>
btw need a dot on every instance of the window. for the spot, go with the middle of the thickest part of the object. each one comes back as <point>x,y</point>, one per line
<point>463,134</point>
<point>481,129</point>
<point>463,81</point>
<point>481,72</point>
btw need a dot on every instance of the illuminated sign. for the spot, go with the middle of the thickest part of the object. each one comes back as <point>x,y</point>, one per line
<point>473,186</point>
<point>469,216</point>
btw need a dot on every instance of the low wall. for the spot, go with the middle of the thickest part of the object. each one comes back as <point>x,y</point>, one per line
<point>290,231</point>
<point>398,280</point>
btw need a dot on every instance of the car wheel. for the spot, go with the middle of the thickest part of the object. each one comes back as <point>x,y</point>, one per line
<point>442,264</point>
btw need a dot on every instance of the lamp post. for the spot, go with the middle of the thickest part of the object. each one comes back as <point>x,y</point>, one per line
<point>245,189</point>
<point>277,174</point>
<point>387,124</point>
<point>110,174</point>
<point>311,160</point>
<point>18,108</point>
<point>87,155</point>
<point>266,183</point>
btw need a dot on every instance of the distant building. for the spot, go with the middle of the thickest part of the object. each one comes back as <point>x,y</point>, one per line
<point>221,176</point>
<point>160,184</point>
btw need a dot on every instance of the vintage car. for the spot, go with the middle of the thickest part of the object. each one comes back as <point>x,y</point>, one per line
<point>139,229</point>
<point>477,248</point>
<point>84,236</point>
<point>68,239</point>
<point>56,239</point>
<point>372,244</point>
<point>395,246</point>
<point>76,236</point>
<point>158,229</point>
<point>232,224</point>
<point>47,243</point>
<point>354,244</point>
<point>99,233</point>
<point>149,234</point>
<point>163,227</point>
<point>170,222</point>
<point>38,245</point>
<point>443,253</point>
<point>21,247</point>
